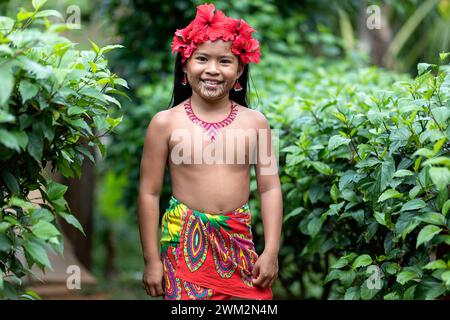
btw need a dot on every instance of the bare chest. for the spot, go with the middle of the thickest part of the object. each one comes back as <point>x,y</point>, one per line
<point>233,145</point>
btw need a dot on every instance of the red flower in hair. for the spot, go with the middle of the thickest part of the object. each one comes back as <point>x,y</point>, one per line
<point>244,30</point>
<point>210,25</point>
<point>247,49</point>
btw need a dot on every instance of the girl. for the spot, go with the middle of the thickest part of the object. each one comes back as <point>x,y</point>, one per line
<point>207,250</point>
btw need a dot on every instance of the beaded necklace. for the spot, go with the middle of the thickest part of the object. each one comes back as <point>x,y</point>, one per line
<point>211,128</point>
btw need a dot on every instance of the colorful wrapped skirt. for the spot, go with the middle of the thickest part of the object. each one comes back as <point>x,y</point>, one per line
<point>208,256</point>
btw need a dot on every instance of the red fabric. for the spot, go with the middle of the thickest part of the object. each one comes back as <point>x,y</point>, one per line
<point>233,247</point>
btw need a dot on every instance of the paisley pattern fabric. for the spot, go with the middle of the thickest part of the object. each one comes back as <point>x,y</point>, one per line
<point>206,253</point>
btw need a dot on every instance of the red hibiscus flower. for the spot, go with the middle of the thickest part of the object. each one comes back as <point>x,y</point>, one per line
<point>247,49</point>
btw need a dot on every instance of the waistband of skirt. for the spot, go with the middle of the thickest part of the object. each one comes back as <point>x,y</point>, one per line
<point>245,207</point>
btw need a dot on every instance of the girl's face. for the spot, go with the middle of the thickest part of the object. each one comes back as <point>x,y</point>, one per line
<point>213,69</point>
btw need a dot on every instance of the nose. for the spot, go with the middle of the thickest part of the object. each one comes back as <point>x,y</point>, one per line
<point>211,68</point>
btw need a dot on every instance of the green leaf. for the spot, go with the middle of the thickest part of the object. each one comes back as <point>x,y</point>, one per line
<point>340,116</point>
<point>444,55</point>
<point>342,262</point>
<point>30,295</point>
<point>446,207</point>
<point>441,114</point>
<point>121,82</point>
<point>352,293</point>
<point>432,218</point>
<point>80,123</point>
<point>405,276</point>
<point>47,13</point>
<point>334,193</point>
<point>413,205</point>
<point>75,110</point>
<point>386,174</point>
<point>6,83</point>
<point>6,24</point>
<point>409,293</point>
<point>41,214</point>
<point>95,47</point>
<point>427,233</point>
<point>27,90</point>
<point>6,117</point>
<point>337,141</point>
<point>37,252</point>
<point>440,177</point>
<point>436,264</point>
<point>389,194</point>
<point>108,48</point>
<point>18,202</point>
<point>403,173</point>
<point>45,230</point>
<point>322,167</point>
<point>392,296</point>
<point>446,278</point>
<point>314,226</point>
<point>70,219</point>
<point>37,4</point>
<point>406,223</point>
<point>113,122</point>
<point>5,243</point>
<point>11,182</point>
<point>346,178</point>
<point>424,67</point>
<point>424,152</point>
<point>438,161</point>
<point>55,190</point>
<point>36,145</point>
<point>362,261</point>
<point>366,293</point>
<point>23,14</point>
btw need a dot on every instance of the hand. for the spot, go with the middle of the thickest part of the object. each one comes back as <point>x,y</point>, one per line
<point>265,270</point>
<point>152,278</point>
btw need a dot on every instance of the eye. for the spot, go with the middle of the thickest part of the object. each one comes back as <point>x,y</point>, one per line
<point>226,61</point>
<point>201,58</point>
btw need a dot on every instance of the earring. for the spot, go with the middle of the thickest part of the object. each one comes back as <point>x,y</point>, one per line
<point>237,86</point>
<point>184,81</point>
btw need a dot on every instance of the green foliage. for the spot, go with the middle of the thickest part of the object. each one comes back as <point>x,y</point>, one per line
<point>55,105</point>
<point>366,175</point>
<point>364,158</point>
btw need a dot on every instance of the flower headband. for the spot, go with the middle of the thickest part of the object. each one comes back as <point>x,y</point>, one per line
<point>210,25</point>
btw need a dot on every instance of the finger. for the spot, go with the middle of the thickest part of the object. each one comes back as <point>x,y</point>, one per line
<point>265,283</point>
<point>152,291</point>
<point>145,288</point>
<point>257,281</point>
<point>159,289</point>
<point>255,271</point>
<point>260,280</point>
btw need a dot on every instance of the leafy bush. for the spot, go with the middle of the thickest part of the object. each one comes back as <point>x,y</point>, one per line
<point>55,105</point>
<point>366,178</point>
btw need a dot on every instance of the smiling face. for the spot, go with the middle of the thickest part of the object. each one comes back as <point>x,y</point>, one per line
<point>213,69</point>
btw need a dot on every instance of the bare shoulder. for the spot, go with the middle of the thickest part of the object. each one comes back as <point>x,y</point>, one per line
<point>160,124</point>
<point>255,117</point>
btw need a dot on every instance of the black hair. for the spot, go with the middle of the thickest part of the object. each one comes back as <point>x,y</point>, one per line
<point>181,93</point>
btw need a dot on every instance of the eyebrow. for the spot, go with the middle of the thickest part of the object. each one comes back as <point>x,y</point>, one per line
<point>205,54</point>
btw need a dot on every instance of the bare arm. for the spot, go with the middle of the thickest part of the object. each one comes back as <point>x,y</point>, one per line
<point>153,162</point>
<point>269,189</point>
<point>265,270</point>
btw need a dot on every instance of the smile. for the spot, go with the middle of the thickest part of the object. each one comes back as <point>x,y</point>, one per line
<point>211,83</point>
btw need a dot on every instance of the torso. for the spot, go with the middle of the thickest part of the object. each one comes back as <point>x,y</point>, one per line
<point>211,187</point>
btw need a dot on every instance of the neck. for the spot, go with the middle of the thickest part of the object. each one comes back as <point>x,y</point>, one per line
<point>206,106</point>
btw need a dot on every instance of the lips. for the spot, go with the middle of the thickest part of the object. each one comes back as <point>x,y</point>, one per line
<point>211,82</point>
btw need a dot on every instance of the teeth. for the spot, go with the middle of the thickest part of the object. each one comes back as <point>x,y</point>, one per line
<point>211,82</point>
